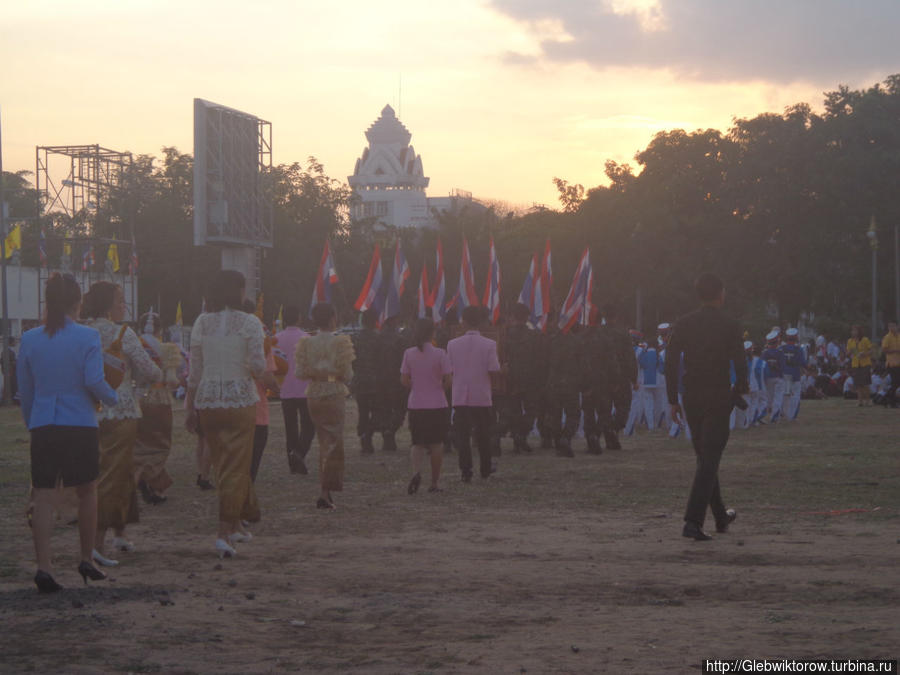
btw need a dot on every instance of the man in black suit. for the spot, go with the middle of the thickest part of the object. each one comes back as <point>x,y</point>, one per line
<point>710,344</point>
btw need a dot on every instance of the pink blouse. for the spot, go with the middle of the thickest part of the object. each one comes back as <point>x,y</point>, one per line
<point>426,369</point>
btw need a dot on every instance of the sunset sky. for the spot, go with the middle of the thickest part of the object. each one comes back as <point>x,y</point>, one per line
<point>500,95</point>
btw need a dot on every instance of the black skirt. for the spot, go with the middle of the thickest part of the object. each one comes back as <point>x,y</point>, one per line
<point>429,426</point>
<point>69,454</point>
<point>862,376</point>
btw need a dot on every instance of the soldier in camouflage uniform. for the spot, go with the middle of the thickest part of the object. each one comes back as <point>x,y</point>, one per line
<point>601,370</point>
<point>392,395</point>
<point>564,381</point>
<point>365,379</point>
<point>523,380</point>
<point>623,378</point>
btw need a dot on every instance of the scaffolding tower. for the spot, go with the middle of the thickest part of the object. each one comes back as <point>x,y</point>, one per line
<point>90,172</point>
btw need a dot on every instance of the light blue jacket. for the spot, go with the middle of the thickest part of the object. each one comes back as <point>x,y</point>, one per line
<point>61,376</point>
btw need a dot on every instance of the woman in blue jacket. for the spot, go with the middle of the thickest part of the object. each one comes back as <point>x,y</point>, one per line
<point>60,373</point>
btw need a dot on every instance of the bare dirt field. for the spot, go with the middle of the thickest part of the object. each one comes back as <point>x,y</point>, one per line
<point>551,566</point>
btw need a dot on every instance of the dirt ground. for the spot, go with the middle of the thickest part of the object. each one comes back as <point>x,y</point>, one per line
<point>551,566</point>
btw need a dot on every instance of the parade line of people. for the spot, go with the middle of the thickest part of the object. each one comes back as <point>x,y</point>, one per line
<point>96,397</point>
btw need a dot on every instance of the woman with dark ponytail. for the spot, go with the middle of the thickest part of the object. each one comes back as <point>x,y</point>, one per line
<point>104,309</point>
<point>60,372</point>
<point>426,372</point>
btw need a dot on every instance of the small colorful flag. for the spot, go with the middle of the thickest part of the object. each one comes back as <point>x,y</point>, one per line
<point>371,288</point>
<point>87,259</point>
<point>112,257</point>
<point>492,286</point>
<point>42,248</point>
<point>325,279</point>
<point>466,295</point>
<point>438,292</point>
<point>13,240</point>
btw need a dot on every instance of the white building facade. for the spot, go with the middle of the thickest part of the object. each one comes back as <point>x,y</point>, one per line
<point>390,182</point>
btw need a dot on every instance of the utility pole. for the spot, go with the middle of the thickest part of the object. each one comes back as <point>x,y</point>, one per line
<point>872,234</point>
<point>896,272</point>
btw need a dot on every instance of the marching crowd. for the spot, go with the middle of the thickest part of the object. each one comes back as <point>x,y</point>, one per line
<point>96,396</point>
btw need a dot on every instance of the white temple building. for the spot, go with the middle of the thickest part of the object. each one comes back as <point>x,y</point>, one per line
<point>390,181</point>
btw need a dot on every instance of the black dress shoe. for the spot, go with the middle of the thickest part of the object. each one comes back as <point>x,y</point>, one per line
<point>612,441</point>
<point>694,531</point>
<point>88,571</point>
<point>324,504</point>
<point>722,525</point>
<point>146,494</point>
<point>414,482</point>
<point>45,583</point>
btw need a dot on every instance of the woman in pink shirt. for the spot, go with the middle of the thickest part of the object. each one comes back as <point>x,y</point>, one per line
<point>426,372</point>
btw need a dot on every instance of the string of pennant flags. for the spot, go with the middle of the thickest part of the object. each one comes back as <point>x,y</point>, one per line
<point>13,244</point>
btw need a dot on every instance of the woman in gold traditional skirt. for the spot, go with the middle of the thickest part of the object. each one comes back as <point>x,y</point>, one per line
<point>226,354</point>
<point>154,432</point>
<point>104,307</point>
<point>326,360</point>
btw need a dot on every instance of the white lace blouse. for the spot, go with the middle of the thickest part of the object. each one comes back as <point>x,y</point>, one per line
<point>138,365</point>
<point>226,354</point>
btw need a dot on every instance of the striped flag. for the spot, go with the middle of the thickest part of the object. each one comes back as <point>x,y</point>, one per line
<point>325,279</point>
<point>42,248</point>
<point>542,286</point>
<point>578,298</point>
<point>133,264</point>
<point>526,295</point>
<point>439,291</point>
<point>87,259</point>
<point>423,295</point>
<point>466,295</point>
<point>398,285</point>
<point>492,286</point>
<point>373,283</point>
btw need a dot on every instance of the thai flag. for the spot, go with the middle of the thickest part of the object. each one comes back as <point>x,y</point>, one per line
<point>424,297</point>
<point>42,248</point>
<point>325,279</point>
<point>87,260</point>
<point>134,257</point>
<point>492,286</point>
<point>526,295</point>
<point>373,283</point>
<point>398,285</point>
<point>573,307</point>
<point>439,291</point>
<point>589,312</point>
<point>541,306</point>
<point>466,295</point>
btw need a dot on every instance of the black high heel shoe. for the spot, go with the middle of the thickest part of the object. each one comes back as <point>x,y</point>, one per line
<point>88,571</point>
<point>45,583</point>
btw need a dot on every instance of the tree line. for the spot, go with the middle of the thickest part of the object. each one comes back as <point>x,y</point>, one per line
<point>778,205</point>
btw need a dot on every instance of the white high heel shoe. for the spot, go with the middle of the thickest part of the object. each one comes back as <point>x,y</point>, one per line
<point>122,544</point>
<point>240,537</point>
<point>100,559</point>
<point>224,549</point>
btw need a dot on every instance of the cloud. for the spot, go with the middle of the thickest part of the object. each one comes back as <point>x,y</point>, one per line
<point>821,41</point>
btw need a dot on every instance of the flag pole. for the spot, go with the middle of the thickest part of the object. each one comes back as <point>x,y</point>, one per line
<point>6,374</point>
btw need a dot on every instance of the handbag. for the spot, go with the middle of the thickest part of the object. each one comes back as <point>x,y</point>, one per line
<point>114,363</point>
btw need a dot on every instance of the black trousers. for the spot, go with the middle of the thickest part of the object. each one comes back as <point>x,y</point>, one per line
<point>465,420</point>
<point>260,438</point>
<point>708,420</point>
<point>366,405</point>
<point>891,394</point>
<point>298,440</point>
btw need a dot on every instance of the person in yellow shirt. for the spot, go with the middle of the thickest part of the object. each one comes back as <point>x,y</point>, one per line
<point>859,349</point>
<point>890,347</point>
